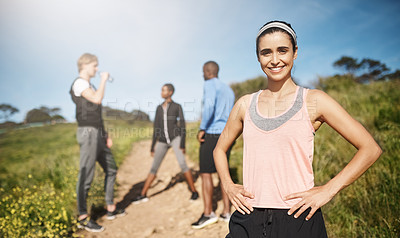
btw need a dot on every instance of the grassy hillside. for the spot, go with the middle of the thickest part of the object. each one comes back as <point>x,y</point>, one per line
<point>370,206</point>
<point>38,174</point>
<point>249,86</point>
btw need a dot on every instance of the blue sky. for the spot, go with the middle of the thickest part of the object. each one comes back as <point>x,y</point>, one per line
<point>145,44</point>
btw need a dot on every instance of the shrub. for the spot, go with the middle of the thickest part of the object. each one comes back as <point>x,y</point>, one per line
<point>35,212</point>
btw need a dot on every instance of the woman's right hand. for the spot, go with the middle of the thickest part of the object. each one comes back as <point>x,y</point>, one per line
<point>237,194</point>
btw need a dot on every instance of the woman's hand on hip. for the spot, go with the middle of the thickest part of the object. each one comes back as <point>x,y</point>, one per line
<point>314,198</point>
<point>237,195</point>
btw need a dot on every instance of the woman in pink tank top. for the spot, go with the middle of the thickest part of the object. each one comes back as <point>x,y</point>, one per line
<point>278,197</point>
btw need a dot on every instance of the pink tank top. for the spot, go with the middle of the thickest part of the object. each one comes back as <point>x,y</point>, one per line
<point>278,153</point>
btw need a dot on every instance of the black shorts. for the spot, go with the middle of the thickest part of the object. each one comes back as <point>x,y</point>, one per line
<point>207,147</point>
<point>266,222</point>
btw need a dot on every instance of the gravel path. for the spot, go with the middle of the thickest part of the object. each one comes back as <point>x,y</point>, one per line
<point>169,212</point>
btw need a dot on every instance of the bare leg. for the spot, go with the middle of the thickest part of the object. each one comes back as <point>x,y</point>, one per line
<point>111,207</point>
<point>189,179</point>
<point>207,188</point>
<point>147,183</point>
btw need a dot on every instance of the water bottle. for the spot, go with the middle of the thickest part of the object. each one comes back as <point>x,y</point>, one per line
<point>110,79</point>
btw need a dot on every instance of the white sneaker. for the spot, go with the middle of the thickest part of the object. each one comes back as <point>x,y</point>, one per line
<point>225,217</point>
<point>205,221</point>
<point>140,199</point>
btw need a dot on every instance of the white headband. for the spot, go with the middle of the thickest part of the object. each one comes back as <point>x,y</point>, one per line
<point>278,25</point>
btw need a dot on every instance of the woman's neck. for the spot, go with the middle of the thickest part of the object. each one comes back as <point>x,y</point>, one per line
<point>167,100</point>
<point>281,88</point>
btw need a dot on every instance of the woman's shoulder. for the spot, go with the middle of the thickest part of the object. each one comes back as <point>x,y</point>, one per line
<point>245,100</point>
<point>321,101</point>
<point>246,97</point>
<point>175,105</point>
<point>316,94</point>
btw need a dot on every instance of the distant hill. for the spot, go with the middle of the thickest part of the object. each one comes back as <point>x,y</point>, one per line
<point>116,114</point>
<point>8,125</point>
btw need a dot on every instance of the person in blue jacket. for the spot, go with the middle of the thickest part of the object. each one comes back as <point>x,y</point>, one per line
<point>218,100</point>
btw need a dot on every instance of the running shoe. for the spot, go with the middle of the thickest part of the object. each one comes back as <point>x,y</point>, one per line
<point>225,217</point>
<point>195,196</point>
<point>140,199</point>
<point>89,225</point>
<point>205,221</point>
<point>116,213</point>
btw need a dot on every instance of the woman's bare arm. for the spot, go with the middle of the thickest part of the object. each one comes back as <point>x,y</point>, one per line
<point>329,111</point>
<point>231,132</point>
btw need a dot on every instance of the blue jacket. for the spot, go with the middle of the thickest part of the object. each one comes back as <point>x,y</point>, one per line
<point>218,100</point>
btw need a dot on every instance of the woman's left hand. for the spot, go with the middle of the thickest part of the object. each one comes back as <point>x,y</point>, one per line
<point>313,198</point>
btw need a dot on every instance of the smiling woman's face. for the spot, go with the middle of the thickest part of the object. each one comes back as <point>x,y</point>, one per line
<point>276,56</point>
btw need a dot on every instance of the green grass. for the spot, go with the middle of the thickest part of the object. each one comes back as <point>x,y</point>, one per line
<point>36,151</point>
<point>38,174</point>
<point>370,206</point>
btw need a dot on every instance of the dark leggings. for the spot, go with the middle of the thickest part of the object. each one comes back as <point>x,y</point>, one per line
<point>265,222</point>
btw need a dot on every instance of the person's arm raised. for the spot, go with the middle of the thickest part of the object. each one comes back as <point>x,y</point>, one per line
<point>329,111</point>
<point>231,132</point>
<point>96,96</point>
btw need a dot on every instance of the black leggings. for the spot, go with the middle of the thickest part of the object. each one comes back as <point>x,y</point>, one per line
<point>265,222</point>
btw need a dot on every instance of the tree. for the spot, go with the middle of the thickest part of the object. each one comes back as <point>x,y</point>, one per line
<point>45,109</point>
<point>37,115</point>
<point>57,119</point>
<point>45,113</point>
<point>347,63</point>
<point>374,68</point>
<point>393,76</point>
<point>365,71</point>
<point>7,110</point>
<point>55,111</point>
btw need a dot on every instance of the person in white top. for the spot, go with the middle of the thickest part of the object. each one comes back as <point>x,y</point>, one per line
<point>93,141</point>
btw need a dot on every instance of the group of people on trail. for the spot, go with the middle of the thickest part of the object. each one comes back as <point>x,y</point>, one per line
<point>278,124</point>
<point>169,131</point>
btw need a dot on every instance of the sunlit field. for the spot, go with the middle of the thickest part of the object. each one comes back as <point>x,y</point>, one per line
<point>39,170</point>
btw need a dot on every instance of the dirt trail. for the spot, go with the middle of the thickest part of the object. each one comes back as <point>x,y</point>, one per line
<point>169,212</point>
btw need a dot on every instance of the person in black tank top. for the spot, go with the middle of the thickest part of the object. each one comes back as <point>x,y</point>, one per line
<point>93,141</point>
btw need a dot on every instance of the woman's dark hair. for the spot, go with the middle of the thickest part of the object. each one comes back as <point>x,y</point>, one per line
<point>276,29</point>
<point>170,87</point>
